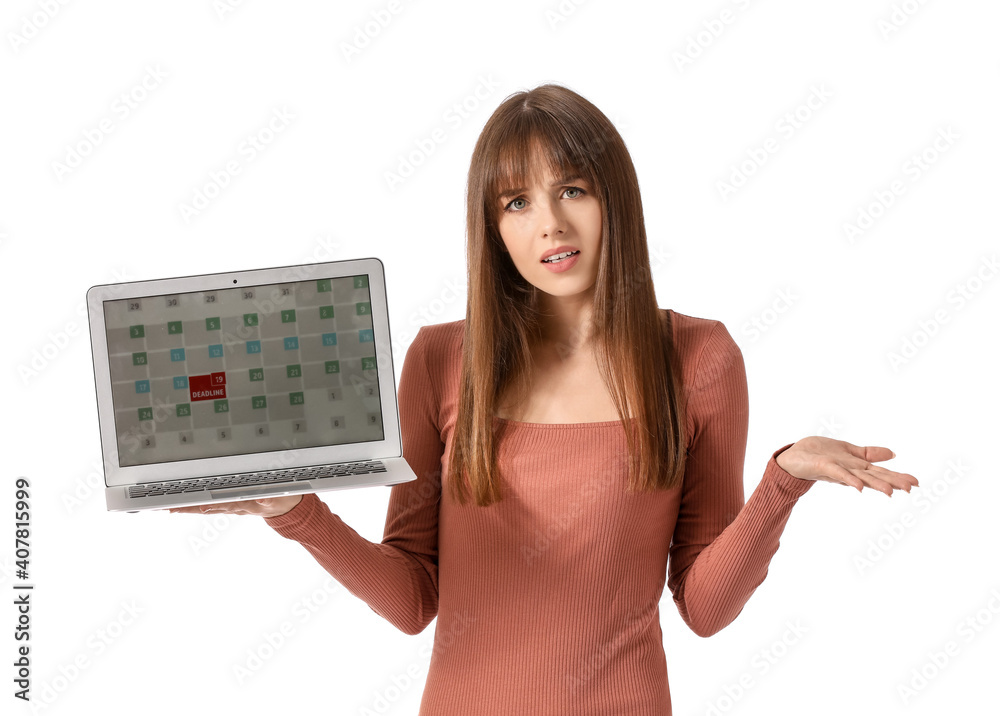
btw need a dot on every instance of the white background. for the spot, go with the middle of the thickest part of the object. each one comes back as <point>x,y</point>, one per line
<point>207,592</point>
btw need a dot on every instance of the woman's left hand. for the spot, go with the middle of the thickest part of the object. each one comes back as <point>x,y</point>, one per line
<point>819,458</point>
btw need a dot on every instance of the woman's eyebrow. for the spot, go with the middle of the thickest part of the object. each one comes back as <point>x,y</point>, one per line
<point>557,182</point>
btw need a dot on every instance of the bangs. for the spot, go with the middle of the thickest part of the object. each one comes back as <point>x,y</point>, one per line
<point>532,145</point>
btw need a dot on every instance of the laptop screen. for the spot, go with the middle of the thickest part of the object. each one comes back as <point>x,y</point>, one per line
<point>243,370</point>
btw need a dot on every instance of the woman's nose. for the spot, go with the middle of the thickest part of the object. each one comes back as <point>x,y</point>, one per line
<point>550,220</point>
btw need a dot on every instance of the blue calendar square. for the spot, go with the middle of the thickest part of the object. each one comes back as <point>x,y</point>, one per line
<point>215,351</point>
<point>176,354</point>
<point>253,346</point>
<point>292,344</point>
<point>142,386</point>
<point>329,339</point>
<point>366,335</point>
<point>180,382</point>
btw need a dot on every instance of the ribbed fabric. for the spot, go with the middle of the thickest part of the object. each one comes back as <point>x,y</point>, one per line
<point>548,602</point>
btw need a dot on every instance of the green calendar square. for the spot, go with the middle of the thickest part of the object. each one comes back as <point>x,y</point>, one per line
<point>249,319</point>
<point>296,398</point>
<point>258,401</point>
<point>332,366</point>
<point>145,413</point>
<point>288,316</point>
<point>139,358</point>
<point>361,281</point>
<point>213,324</point>
<point>293,371</point>
<point>137,331</point>
<point>323,285</point>
<point>326,311</point>
<point>222,406</point>
<point>256,374</point>
<point>183,410</point>
<point>174,327</point>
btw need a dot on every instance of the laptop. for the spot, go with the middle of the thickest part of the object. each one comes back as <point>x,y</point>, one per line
<point>242,385</point>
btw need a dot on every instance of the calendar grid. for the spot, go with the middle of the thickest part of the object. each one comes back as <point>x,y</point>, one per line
<point>242,370</point>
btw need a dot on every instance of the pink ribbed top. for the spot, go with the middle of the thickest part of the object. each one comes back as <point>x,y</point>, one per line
<point>547,603</point>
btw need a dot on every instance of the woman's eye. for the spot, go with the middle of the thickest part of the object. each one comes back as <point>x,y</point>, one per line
<point>518,204</point>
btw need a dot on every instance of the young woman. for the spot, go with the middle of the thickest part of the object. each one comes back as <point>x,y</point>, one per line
<point>577,448</point>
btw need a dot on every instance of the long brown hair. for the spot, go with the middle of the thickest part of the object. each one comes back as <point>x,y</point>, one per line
<point>632,336</point>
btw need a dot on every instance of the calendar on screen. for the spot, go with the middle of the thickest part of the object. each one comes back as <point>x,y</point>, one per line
<point>243,370</point>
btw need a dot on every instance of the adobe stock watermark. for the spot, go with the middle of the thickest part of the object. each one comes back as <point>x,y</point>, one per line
<point>247,151</point>
<point>210,530</point>
<point>636,620</point>
<point>364,34</point>
<point>892,533</point>
<point>912,170</point>
<point>787,126</point>
<point>711,30</point>
<point>402,681</point>
<point>97,133</point>
<point>85,486</point>
<point>96,643</point>
<point>637,280</point>
<point>937,659</point>
<point>451,121</point>
<point>765,319</point>
<point>958,297</point>
<point>31,25</point>
<point>325,248</point>
<point>561,12</point>
<point>574,511</point>
<point>224,8</point>
<point>899,15</point>
<point>272,641</point>
<point>761,662</point>
<point>432,311</point>
<point>30,368</point>
<point>830,428</point>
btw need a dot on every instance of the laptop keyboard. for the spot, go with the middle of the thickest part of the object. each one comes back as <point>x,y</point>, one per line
<point>175,487</point>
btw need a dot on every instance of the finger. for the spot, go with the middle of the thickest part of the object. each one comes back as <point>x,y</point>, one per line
<point>858,475</point>
<point>188,510</point>
<point>899,480</point>
<point>237,507</point>
<point>224,508</point>
<point>836,473</point>
<point>873,482</point>
<point>878,478</point>
<point>871,453</point>
<point>211,508</point>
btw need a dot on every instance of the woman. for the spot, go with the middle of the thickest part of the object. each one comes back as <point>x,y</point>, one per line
<point>570,439</point>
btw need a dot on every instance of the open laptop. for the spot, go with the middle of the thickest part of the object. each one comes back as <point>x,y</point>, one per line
<point>236,386</point>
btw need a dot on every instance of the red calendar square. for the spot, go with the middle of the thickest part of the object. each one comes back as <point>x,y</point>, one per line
<point>203,387</point>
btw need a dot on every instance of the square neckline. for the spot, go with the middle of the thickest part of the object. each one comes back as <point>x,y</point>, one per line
<point>592,424</point>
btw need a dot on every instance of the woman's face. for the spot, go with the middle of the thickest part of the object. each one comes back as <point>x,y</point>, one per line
<point>553,216</point>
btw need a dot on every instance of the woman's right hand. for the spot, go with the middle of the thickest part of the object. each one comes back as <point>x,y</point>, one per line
<point>265,507</point>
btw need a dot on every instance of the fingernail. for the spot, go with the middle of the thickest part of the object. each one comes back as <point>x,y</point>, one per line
<point>893,454</point>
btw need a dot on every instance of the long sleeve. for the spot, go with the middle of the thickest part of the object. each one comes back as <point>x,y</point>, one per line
<point>397,578</point>
<point>722,547</point>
